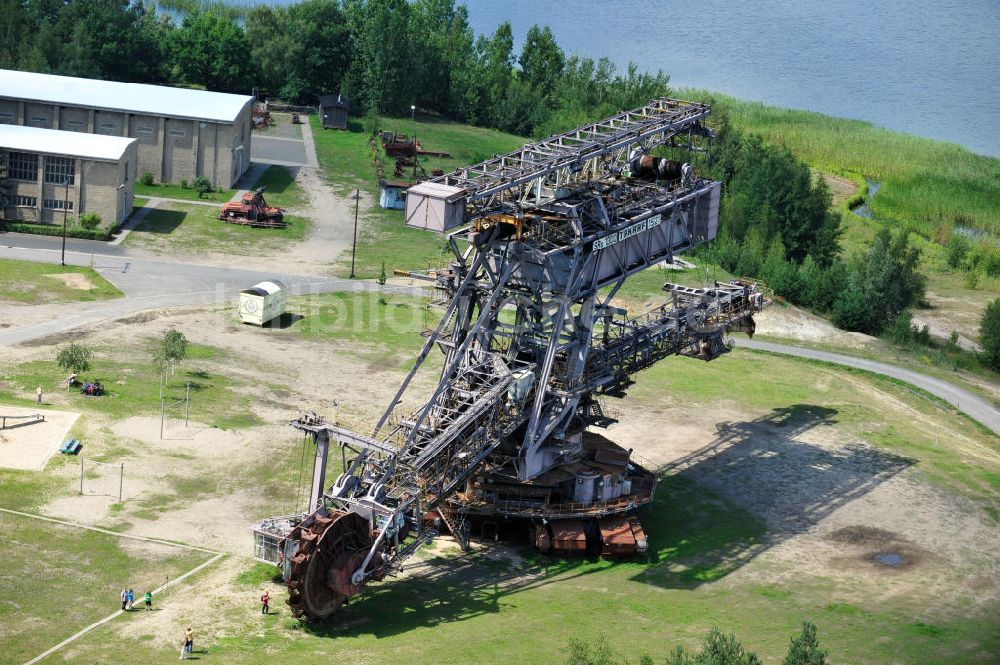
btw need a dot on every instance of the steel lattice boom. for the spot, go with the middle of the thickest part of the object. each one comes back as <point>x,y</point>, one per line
<point>543,238</point>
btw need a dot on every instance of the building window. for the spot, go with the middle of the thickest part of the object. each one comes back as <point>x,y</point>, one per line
<point>57,169</point>
<point>144,130</point>
<point>23,166</point>
<point>41,119</point>
<point>6,117</point>
<point>26,201</point>
<point>57,204</point>
<point>75,123</point>
<point>107,125</point>
<point>177,133</point>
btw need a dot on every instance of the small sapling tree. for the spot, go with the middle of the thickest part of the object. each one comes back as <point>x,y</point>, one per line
<point>172,350</point>
<point>804,649</point>
<point>75,358</point>
<point>989,335</point>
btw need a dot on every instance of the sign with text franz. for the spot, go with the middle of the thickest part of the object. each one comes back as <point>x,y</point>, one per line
<point>627,232</point>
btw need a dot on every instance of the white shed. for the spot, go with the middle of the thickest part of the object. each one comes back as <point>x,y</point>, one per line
<point>262,302</point>
<point>435,206</point>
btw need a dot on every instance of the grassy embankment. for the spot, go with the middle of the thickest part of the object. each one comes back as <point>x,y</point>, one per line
<point>347,162</point>
<point>930,187</point>
<point>710,560</point>
<point>32,283</point>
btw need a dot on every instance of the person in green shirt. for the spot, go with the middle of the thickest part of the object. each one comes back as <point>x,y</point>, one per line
<point>148,598</point>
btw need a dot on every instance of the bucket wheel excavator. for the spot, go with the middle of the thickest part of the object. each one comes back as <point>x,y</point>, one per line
<point>542,239</point>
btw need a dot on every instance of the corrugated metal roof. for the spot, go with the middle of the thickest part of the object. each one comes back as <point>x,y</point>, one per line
<point>55,142</point>
<point>128,97</point>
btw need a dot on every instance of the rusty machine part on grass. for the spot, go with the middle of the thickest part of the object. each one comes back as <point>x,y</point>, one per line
<point>252,210</point>
<point>542,240</point>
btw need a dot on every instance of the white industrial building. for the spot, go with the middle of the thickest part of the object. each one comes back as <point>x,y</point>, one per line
<point>47,174</point>
<point>181,133</point>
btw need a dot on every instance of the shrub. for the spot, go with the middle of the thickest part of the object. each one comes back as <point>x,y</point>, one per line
<point>202,185</point>
<point>55,230</point>
<point>90,220</point>
<point>146,178</point>
<point>957,249</point>
<point>184,183</point>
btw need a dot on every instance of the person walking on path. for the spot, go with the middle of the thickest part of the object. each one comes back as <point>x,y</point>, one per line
<point>264,601</point>
<point>124,599</point>
<point>148,597</point>
<point>131,599</point>
<point>38,392</point>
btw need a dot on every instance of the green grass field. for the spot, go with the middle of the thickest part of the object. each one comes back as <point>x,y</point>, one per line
<point>75,578</point>
<point>348,163</point>
<point>175,191</point>
<point>32,283</point>
<point>280,188</point>
<point>178,227</point>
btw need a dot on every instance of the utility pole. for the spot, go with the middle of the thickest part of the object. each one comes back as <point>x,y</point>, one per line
<point>413,131</point>
<point>65,214</point>
<point>354,243</point>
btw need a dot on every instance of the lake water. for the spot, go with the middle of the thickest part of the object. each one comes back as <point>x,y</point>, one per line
<point>926,67</point>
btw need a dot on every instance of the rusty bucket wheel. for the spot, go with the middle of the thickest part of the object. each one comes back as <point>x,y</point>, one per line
<point>329,552</point>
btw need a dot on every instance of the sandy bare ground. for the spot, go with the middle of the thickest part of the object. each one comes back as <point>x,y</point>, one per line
<point>73,280</point>
<point>797,324</point>
<point>841,188</point>
<point>832,502</point>
<point>29,446</point>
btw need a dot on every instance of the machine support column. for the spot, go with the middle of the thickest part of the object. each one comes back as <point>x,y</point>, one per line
<point>322,440</point>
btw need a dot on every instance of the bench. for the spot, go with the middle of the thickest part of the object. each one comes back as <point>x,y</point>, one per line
<point>71,447</point>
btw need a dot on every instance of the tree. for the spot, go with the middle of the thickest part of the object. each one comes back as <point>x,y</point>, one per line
<point>541,60</point>
<point>172,350</point>
<point>989,335</point>
<point>804,649</point>
<point>173,347</point>
<point>75,358</point>
<point>210,49</point>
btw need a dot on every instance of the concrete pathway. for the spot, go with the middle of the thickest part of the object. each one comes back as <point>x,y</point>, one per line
<point>968,403</point>
<point>310,145</point>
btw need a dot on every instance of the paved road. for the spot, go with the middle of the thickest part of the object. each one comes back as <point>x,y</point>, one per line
<point>147,284</point>
<point>972,405</point>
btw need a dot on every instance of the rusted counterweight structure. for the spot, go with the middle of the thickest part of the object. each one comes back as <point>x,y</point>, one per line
<point>543,238</point>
